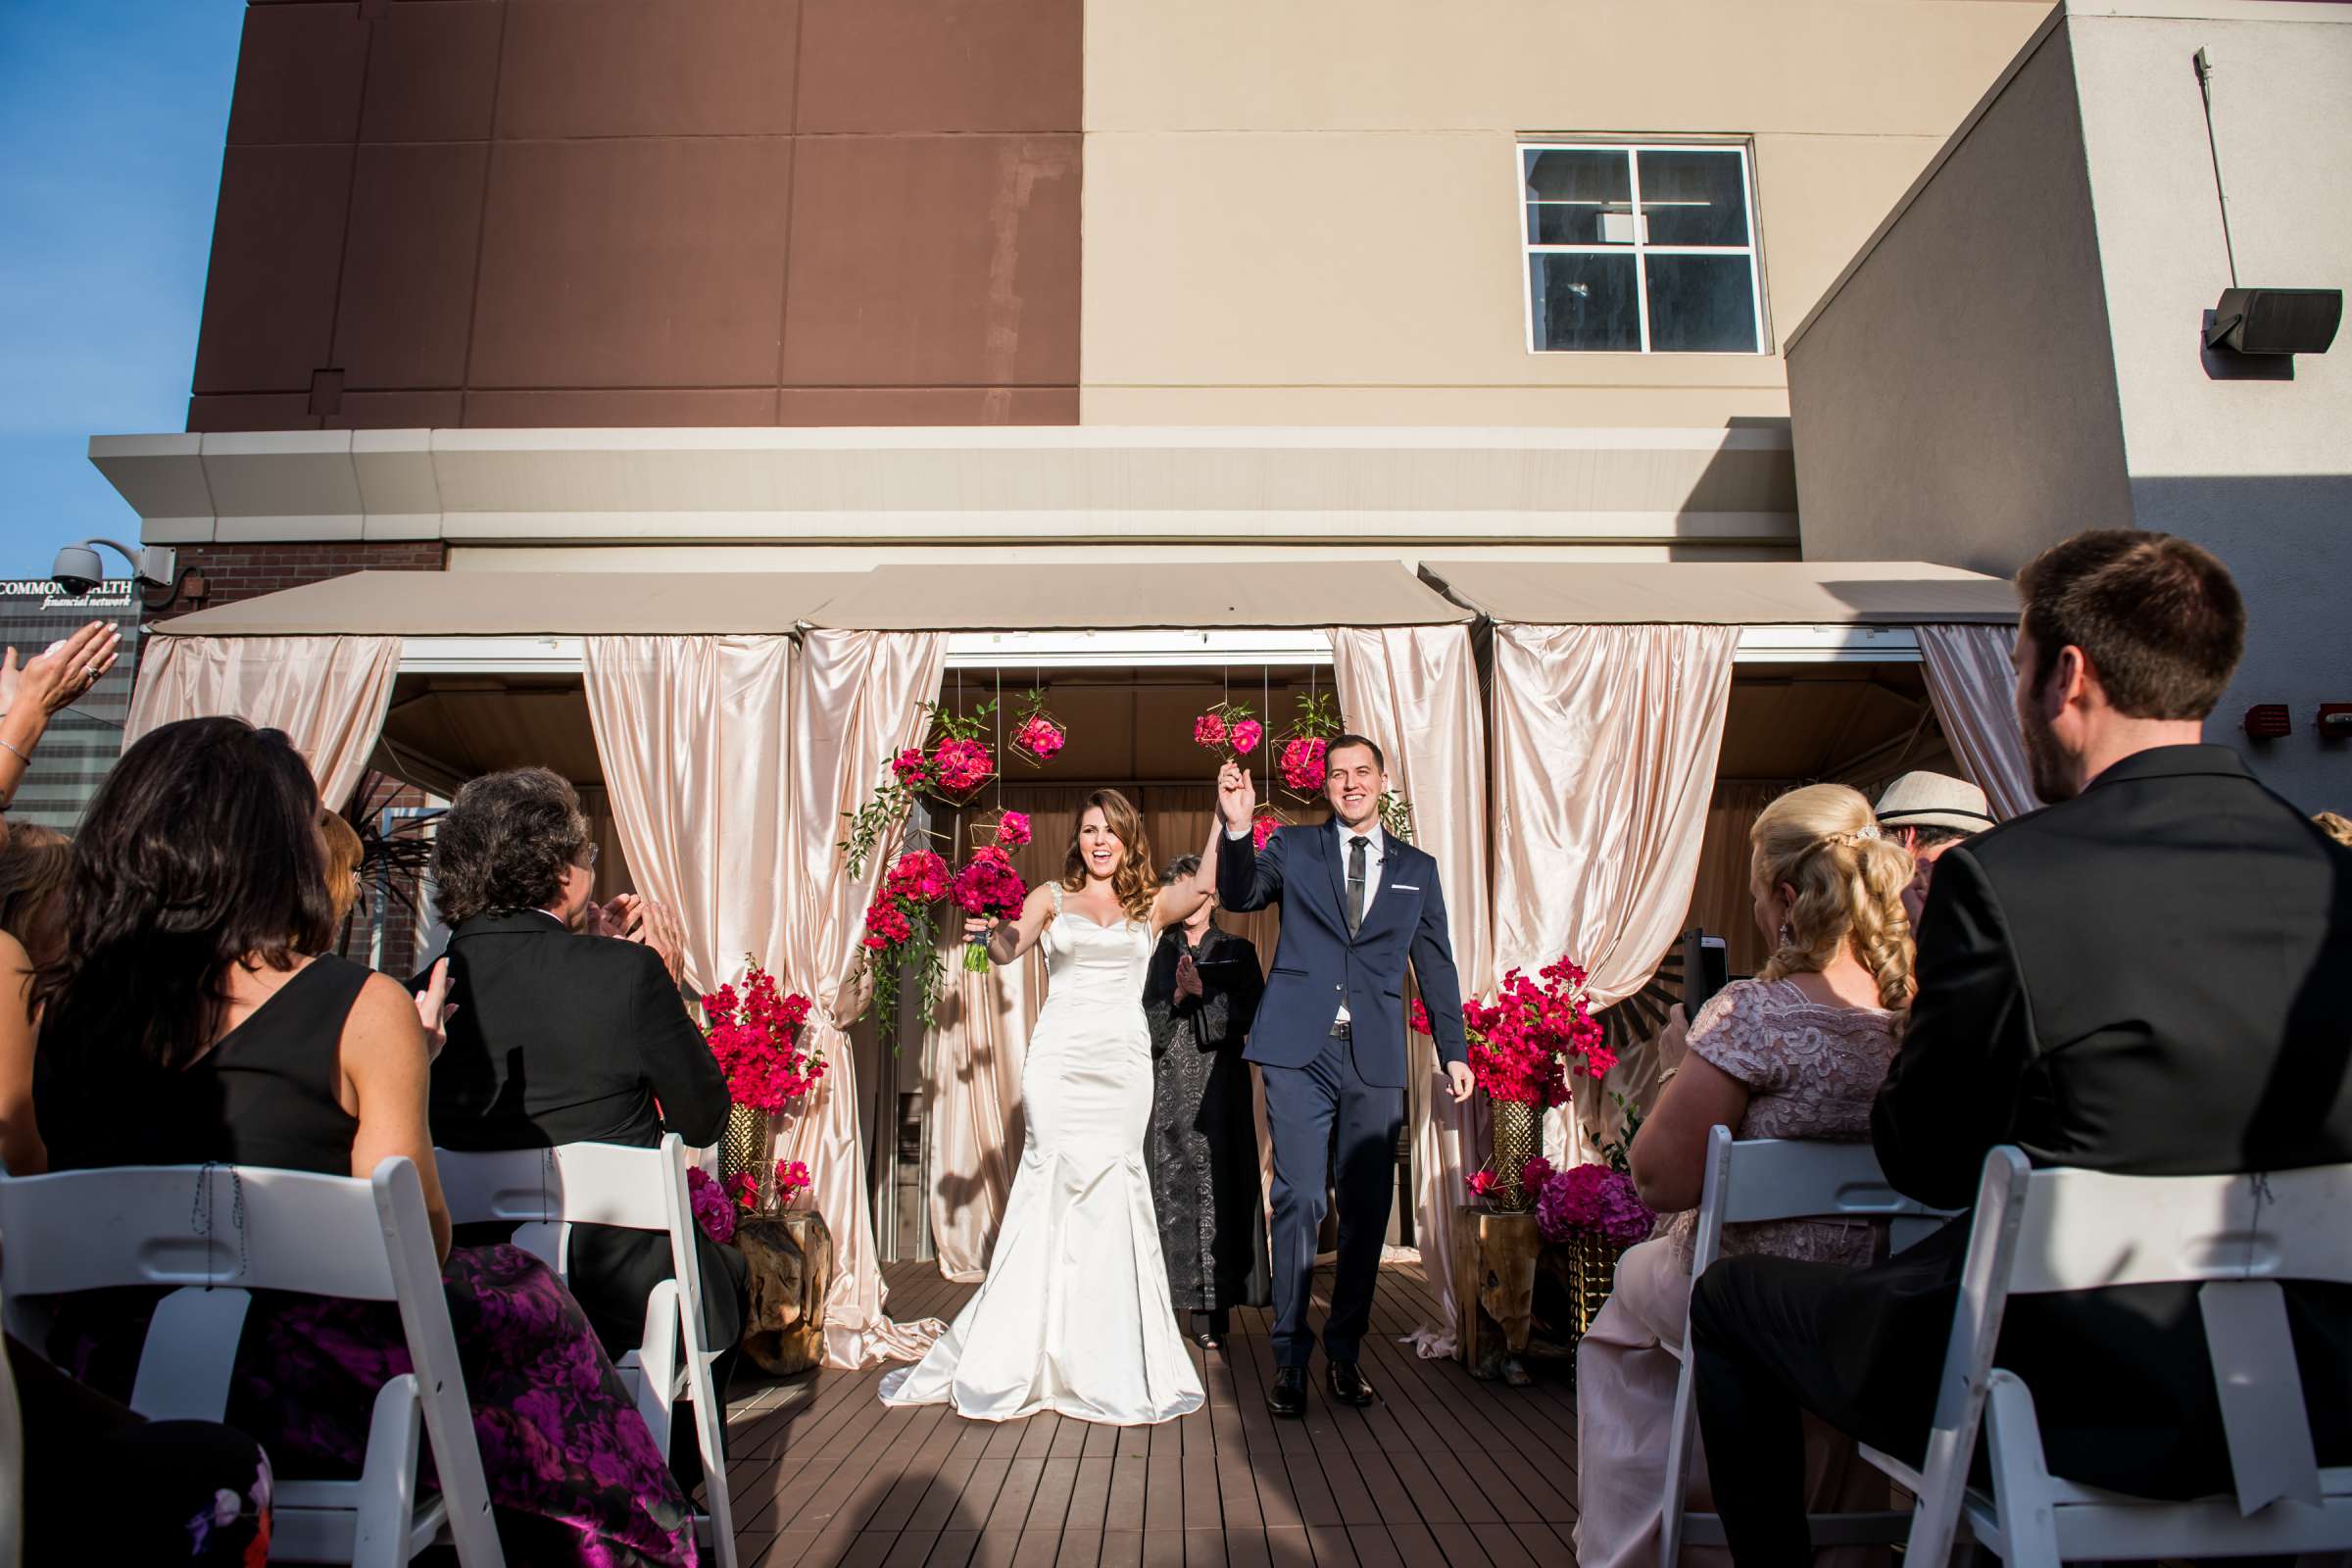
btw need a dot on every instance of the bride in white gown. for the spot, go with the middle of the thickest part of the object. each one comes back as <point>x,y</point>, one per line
<point>1074,1315</point>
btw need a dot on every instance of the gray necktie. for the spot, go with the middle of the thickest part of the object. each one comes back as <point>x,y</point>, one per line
<point>1355,882</point>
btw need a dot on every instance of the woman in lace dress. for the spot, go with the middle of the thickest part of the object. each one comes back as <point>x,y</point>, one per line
<point>1797,1052</point>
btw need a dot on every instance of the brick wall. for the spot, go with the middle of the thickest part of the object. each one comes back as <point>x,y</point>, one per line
<point>234,571</point>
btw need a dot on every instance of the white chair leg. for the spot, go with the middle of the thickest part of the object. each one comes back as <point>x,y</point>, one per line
<point>658,1363</point>
<point>1680,1436</point>
<point>710,1425</point>
<point>389,1479</point>
<point>2013,1438</point>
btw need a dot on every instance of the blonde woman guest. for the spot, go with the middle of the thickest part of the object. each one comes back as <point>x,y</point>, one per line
<point>1798,1052</point>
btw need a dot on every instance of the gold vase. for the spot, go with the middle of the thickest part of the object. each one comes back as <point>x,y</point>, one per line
<point>1516,1127</point>
<point>1594,1273</point>
<point>739,1145</point>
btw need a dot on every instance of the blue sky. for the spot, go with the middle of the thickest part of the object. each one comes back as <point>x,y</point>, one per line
<point>112,117</point>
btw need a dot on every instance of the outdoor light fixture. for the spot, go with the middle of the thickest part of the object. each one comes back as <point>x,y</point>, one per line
<point>77,571</point>
<point>2269,721</point>
<point>2277,321</point>
<point>2335,721</point>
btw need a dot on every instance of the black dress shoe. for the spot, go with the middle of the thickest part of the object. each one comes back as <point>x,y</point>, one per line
<point>1345,1380</point>
<point>1286,1396</point>
<point>1208,1340</point>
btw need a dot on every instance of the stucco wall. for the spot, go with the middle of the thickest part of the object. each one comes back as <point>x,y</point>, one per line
<point>1956,398</point>
<point>1309,213</point>
<point>2019,355</point>
<point>2259,470</point>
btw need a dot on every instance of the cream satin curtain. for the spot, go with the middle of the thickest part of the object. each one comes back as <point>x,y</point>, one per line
<point>1414,690</point>
<point>976,1055</point>
<point>727,764</point>
<point>1605,742</point>
<point>1973,685</point>
<point>328,694</point>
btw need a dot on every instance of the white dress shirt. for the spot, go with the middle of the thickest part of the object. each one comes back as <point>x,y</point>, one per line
<point>1375,851</point>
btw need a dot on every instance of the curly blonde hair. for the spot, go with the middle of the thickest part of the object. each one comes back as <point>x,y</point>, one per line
<point>1132,882</point>
<point>1822,841</point>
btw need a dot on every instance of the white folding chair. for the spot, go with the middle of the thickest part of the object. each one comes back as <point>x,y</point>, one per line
<point>1767,1179</point>
<point>2050,1232</point>
<point>12,1469</point>
<point>219,1231</point>
<point>548,1191</point>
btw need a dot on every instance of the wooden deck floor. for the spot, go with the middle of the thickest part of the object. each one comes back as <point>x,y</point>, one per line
<point>1445,1471</point>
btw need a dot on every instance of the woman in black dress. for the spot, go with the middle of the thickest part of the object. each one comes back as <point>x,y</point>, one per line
<point>1201,994</point>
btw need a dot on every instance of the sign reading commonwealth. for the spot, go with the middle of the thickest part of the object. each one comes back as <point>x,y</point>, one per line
<point>84,740</point>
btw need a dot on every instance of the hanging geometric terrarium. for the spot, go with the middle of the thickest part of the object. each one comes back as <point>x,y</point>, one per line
<point>958,762</point>
<point>1299,751</point>
<point>1265,821</point>
<point>1037,735</point>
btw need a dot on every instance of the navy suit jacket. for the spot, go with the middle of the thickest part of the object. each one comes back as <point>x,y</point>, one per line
<point>1318,965</point>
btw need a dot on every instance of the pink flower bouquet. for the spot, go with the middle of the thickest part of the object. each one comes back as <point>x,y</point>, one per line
<point>1300,763</point>
<point>1525,1044</point>
<point>987,886</point>
<point>755,1037</point>
<point>1595,1199</point>
<point>712,1213</point>
<point>900,919</point>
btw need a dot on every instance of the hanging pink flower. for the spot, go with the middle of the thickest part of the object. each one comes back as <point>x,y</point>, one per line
<point>1245,735</point>
<point>962,767</point>
<point>1040,737</point>
<point>1261,830</point>
<point>1301,764</point>
<point>1209,730</point>
<point>1012,829</point>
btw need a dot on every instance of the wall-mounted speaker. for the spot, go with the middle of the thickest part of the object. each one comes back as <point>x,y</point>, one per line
<point>2277,321</point>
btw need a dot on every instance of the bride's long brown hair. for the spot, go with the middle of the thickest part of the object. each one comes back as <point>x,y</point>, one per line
<point>1132,882</point>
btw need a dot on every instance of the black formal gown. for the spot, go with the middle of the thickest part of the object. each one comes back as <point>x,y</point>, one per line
<point>1202,1147</point>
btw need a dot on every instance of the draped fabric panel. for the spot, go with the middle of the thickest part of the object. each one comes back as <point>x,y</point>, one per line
<point>856,701</point>
<point>328,694</point>
<point>1605,744</point>
<point>1414,690</point>
<point>727,763</point>
<point>1973,685</point>
<point>976,1055</point>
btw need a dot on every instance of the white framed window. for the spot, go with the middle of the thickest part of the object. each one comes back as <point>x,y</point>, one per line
<point>1640,248</point>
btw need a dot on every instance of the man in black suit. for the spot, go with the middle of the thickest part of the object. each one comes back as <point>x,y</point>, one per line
<point>560,1037</point>
<point>2152,976</point>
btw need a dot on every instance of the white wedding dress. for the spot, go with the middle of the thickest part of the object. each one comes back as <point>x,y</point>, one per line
<point>1074,1314</point>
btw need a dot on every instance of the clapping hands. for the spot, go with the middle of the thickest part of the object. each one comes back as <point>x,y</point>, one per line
<point>628,917</point>
<point>61,673</point>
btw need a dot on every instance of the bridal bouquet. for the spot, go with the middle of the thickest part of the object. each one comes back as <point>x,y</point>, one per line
<point>901,920</point>
<point>1527,1042</point>
<point>756,1036</point>
<point>988,885</point>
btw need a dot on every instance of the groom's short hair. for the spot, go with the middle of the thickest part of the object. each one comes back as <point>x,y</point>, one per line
<point>1365,741</point>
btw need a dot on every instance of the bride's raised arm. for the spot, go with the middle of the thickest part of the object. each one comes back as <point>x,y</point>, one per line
<point>1008,940</point>
<point>1178,902</point>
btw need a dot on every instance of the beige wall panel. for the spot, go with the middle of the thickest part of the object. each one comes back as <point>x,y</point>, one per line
<point>1831,67</point>
<point>1617,405</point>
<point>1820,198</point>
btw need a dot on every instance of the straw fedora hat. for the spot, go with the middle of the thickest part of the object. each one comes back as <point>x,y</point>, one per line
<point>1933,800</point>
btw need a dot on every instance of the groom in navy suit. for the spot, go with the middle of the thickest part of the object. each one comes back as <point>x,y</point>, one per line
<point>1329,1042</point>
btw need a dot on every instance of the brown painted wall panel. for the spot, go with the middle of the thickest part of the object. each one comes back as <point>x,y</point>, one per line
<point>647,68</point>
<point>398,411</point>
<point>942,65</point>
<point>686,406</point>
<point>299,70</point>
<point>648,212</point>
<point>927,405</point>
<point>633,263</point>
<point>408,267</point>
<point>934,260</point>
<point>278,249</point>
<point>252,411</point>
<point>432,71</point>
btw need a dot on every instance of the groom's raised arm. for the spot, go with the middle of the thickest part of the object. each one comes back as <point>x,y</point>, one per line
<point>1249,877</point>
<point>1433,966</point>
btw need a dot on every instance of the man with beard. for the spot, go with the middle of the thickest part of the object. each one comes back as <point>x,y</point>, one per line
<point>2148,977</point>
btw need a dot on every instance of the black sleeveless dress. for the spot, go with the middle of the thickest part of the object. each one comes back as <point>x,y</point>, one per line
<point>573,1474</point>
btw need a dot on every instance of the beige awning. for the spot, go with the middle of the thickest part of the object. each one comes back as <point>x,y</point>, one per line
<point>1183,596</point>
<point>1755,593</point>
<point>500,604</point>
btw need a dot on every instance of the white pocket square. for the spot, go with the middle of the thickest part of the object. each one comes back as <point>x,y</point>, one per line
<point>1408,887</point>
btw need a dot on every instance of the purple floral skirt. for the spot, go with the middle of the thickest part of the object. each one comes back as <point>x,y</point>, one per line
<point>574,1476</point>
